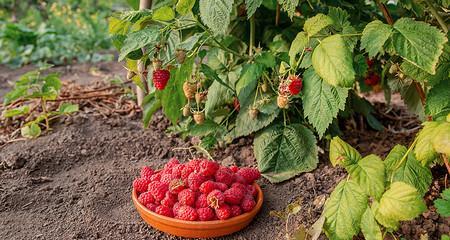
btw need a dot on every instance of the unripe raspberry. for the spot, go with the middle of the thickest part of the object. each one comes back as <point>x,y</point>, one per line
<point>140,184</point>
<point>205,214</point>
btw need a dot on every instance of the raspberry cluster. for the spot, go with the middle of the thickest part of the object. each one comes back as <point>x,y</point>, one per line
<point>199,190</point>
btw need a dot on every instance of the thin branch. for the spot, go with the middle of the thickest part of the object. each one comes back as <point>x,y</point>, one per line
<point>437,16</point>
<point>385,12</point>
<point>447,165</point>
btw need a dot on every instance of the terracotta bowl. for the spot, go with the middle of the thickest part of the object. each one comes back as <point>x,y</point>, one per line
<point>198,229</point>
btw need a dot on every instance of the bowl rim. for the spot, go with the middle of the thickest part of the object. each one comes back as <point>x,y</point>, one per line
<point>239,218</point>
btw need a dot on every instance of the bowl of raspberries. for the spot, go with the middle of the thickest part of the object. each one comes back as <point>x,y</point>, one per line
<point>197,199</point>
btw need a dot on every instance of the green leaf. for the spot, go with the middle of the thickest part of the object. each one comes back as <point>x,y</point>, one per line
<point>252,5</point>
<point>412,100</point>
<point>172,98</point>
<point>313,25</point>
<point>424,150</point>
<point>369,226</point>
<point>16,93</point>
<point>164,14</point>
<point>342,153</point>
<point>118,26</point>
<point>208,127</point>
<point>133,4</point>
<point>185,6</point>
<point>16,111</point>
<point>321,101</point>
<point>369,174</point>
<point>343,210</point>
<point>289,6</point>
<point>218,96</point>
<point>333,62</point>
<point>247,81</point>
<point>139,39</point>
<point>409,171</point>
<point>284,152</point>
<point>67,108</point>
<point>210,73</point>
<point>216,14</point>
<point>410,43</point>
<point>420,75</point>
<point>339,17</point>
<point>441,141</point>
<point>361,67</point>
<point>438,99</point>
<point>190,42</point>
<point>30,131</point>
<point>374,36</point>
<point>150,105</point>
<point>266,59</point>
<point>401,202</point>
<point>297,46</point>
<point>443,204</point>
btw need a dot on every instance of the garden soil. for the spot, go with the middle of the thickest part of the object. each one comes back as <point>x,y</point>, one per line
<point>75,182</point>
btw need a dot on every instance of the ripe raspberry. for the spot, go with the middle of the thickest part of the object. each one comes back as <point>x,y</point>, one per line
<point>155,177</point>
<point>169,200</point>
<point>176,170</point>
<point>236,104</point>
<point>171,163</point>
<point>163,210</point>
<point>140,184</point>
<point>372,79</point>
<point>146,198</point>
<point>223,212</point>
<point>208,168</point>
<point>176,186</point>
<point>187,197</point>
<point>205,214</point>
<point>187,170</point>
<point>146,172</point>
<point>151,206</point>
<point>248,203</point>
<point>158,190</point>
<point>221,186</point>
<point>252,190</point>
<point>201,201</point>
<point>160,78</point>
<point>250,174</point>
<point>235,210</point>
<point>238,178</point>
<point>216,199</point>
<point>240,186</point>
<point>187,213</point>
<point>296,85</point>
<point>175,208</point>
<point>234,168</point>
<point>195,180</point>
<point>369,62</point>
<point>224,175</point>
<point>195,163</point>
<point>207,187</point>
<point>166,178</point>
<point>233,195</point>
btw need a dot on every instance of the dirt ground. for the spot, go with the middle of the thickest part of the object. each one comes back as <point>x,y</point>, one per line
<point>75,182</point>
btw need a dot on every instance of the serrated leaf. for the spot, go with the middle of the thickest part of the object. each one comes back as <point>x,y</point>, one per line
<point>333,61</point>
<point>401,202</point>
<point>185,6</point>
<point>343,210</point>
<point>321,101</point>
<point>218,95</point>
<point>297,46</point>
<point>443,204</point>
<point>67,108</point>
<point>424,151</point>
<point>412,100</point>
<point>313,25</point>
<point>369,226</point>
<point>16,111</point>
<point>284,152</point>
<point>409,171</point>
<point>30,131</point>
<point>150,105</point>
<point>118,26</point>
<point>410,44</point>
<point>267,59</point>
<point>438,99</point>
<point>441,141</point>
<point>139,39</point>
<point>248,80</point>
<point>208,127</point>
<point>360,65</point>
<point>369,174</point>
<point>342,153</point>
<point>339,17</point>
<point>289,6</point>
<point>374,36</point>
<point>252,5</point>
<point>216,14</point>
<point>190,42</point>
<point>164,14</point>
<point>420,75</point>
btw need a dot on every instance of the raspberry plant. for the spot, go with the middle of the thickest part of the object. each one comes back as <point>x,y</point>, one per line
<point>285,71</point>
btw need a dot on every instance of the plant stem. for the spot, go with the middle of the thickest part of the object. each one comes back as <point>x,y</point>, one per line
<point>143,4</point>
<point>44,110</point>
<point>342,35</point>
<point>404,158</point>
<point>252,35</point>
<point>277,16</point>
<point>447,165</point>
<point>385,12</point>
<point>437,16</point>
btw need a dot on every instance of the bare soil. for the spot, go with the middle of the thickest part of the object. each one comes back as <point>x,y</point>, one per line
<point>75,181</point>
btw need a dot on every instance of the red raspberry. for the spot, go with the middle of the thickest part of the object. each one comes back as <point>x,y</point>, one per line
<point>163,210</point>
<point>238,178</point>
<point>250,174</point>
<point>187,170</point>
<point>169,200</point>
<point>252,190</point>
<point>233,195</point>
<point>221,186</point>
<point>171,163</point>
<point>205,214</point>
<point>372,79</point>
<point>195,163</point>
<point>151,206</point>
<point>248,203</point>
<point>176,170</point>
<point>187,197</point>
<point>176,186</point>
<point>208,168</point>
<point>216,199</point>
<point>166,178</point>
<point>235,210</point>
<point>140,184</point>
<point>201,201</point>
<point>187,213</point>
<point>224,175</point>
<point>236,104</point>
<point>158,190</point>
<point>160,78</point>
<point>146,198</point>
<point>240,186</point>
<point>223,212</point>
<point>146,172</point>
<point>207,187</point>
<point>296,85</point>
<point>176,207</point>
<point>234,168</point>
<point>195,180</point>
<point>369,62</point>
<point>155,177</point>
